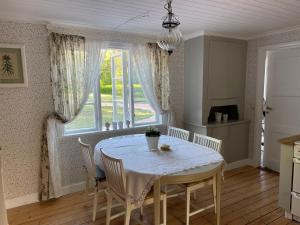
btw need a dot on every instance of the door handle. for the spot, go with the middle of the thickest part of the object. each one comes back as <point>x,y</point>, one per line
<point>268,108</point>
<point>295,195</point>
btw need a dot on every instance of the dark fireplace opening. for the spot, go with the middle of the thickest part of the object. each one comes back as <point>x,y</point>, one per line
<point>230,110</point>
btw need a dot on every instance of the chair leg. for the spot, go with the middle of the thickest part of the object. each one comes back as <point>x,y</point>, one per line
<point>108,208</point>
<point>215,192</point>
<point>187,206</point>
<point>87,185</point>
<point>127,214</point>
<point>142,212</point>
<point>95,204</point>
<point>195,195</point>
<point>165,210</point>
<point>218,198</point>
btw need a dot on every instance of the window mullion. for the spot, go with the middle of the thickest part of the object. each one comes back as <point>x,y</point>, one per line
<point>113,80</point>
<point>125,87</point>
<point>98,110</point>
<point>131,90</point>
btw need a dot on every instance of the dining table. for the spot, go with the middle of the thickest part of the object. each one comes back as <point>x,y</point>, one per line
<point>145,169</point>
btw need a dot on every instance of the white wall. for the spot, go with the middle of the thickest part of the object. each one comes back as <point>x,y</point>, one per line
<point>22,111</point>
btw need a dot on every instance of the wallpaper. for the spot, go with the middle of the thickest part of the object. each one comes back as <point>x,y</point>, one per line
<point>22,109</point>
<point>251,77</point>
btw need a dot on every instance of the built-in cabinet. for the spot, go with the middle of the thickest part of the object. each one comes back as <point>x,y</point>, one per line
<point>215,70</point>
<point>226,68</point>
<point>234,136</point>
<point>289,181</point>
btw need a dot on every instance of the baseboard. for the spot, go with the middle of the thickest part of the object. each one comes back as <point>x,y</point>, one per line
<point>237,164</point>
<point>23,200</point>
<point>33,198</point>
<point>73,188</point>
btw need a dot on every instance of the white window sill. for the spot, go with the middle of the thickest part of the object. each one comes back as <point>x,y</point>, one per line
<point>110,132</point>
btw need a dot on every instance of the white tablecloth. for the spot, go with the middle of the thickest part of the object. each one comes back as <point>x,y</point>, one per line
<point>143,167</point>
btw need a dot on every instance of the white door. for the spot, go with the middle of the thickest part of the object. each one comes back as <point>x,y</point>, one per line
<point>283,101</point>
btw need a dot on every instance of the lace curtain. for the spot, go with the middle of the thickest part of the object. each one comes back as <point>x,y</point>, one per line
<point>75,69</point>
<point>151,65</point>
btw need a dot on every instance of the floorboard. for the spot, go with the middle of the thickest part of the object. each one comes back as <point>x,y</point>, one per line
<point>249,196</point>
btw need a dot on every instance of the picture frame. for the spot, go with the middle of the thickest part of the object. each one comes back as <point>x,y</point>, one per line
<point>13,71</point>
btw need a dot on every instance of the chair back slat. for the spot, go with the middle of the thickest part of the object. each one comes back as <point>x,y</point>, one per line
<point>88,159</point>
<point>209,142</point>
<point>115,174</point>
<point>178,133</point>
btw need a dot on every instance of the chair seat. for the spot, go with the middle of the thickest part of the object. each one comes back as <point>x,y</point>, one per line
<point>100,174</point>
<point>203,182</point>
<point>151,194</point>
<point>149,199</point>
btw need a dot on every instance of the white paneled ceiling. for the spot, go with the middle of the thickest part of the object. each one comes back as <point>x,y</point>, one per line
<point>240,18</point>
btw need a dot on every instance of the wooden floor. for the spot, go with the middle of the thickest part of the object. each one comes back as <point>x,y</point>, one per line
<point>249,196</point>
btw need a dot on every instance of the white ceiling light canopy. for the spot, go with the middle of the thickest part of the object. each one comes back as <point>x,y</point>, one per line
<point>171,36</point>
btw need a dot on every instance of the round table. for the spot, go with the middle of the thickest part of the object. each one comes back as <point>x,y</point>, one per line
<point>185,163</point>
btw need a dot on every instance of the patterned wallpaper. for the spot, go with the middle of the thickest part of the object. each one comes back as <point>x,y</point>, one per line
<point>253,46</point>
<point>22,109</point>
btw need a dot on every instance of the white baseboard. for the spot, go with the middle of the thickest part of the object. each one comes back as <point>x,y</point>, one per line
<point>33,198</point>
<point>23,200</point>
<point>73,188</point>
<point>237,164</point>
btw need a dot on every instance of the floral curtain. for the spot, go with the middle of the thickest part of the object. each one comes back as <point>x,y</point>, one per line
<point>75,68</point>
<point>151,65</point>
<point>160,75</point>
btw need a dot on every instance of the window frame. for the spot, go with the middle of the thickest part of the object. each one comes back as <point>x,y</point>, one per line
<point>97,101</point>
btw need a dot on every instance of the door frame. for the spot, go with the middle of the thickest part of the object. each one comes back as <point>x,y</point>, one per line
<point>260,80</point>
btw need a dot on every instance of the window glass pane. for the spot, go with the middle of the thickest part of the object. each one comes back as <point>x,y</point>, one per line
<point>143,112</point>
<point>112,85</point>
<point>117,80</point>
<point>106,89</point>
<point>85,120</point>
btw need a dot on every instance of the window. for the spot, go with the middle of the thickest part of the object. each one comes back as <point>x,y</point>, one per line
<point>118,97</point>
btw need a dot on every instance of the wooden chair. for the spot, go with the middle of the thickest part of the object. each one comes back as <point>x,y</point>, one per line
<point>116,181</point>
<point>93,174</point>
<point>178,133</point>
<point>214,144</point>
<point>207,141</point>
<point>175,190</point>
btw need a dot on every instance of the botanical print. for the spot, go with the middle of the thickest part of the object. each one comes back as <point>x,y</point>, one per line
<point>7,66</point>
<point>11,70</point>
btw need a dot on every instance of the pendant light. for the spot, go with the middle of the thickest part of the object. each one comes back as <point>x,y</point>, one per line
<point>171,37</point>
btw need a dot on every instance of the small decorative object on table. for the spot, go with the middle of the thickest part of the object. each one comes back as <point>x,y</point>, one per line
<point>152,137</point>
<point>107,125</point>
<point>165,147</point>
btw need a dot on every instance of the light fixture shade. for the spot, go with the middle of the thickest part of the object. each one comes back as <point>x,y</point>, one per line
<point>170,39</point>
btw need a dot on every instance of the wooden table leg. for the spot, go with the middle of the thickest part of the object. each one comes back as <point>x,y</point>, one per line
<point>157,202</point>
<point>218,198</point>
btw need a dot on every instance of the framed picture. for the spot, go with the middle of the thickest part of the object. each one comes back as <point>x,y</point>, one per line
<point>12,66</point>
